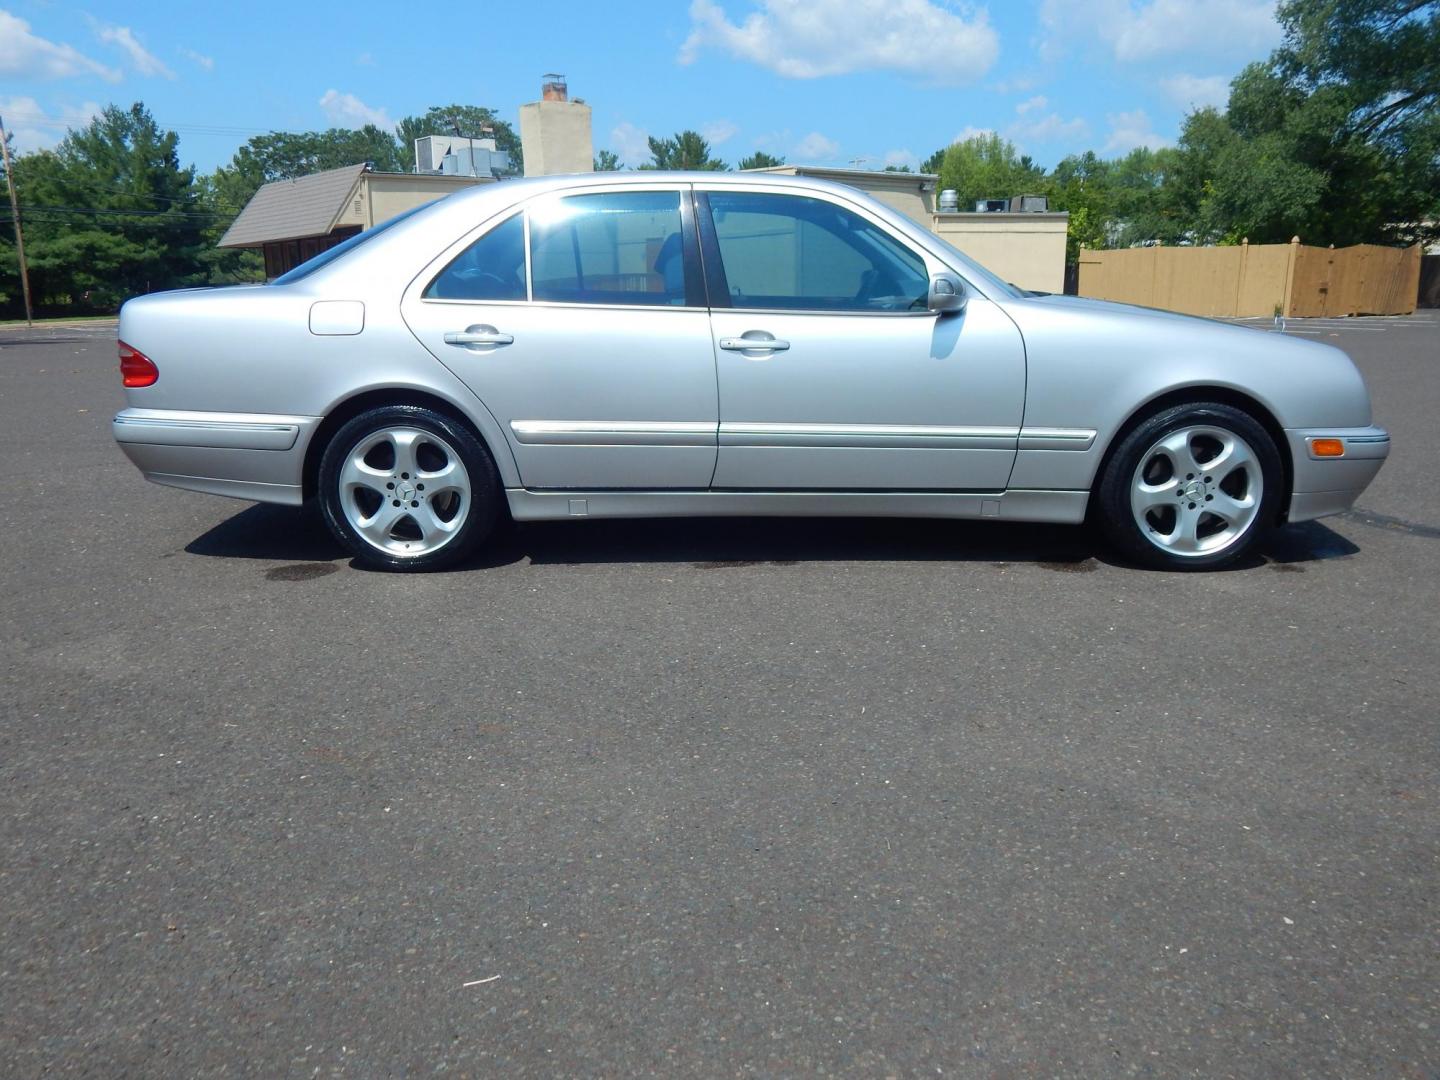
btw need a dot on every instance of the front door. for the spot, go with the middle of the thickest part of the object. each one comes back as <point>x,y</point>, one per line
<point>833,374</point>
<point>581,324</point>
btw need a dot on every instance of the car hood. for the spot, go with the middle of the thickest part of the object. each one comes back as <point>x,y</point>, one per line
<point>1112,308</point>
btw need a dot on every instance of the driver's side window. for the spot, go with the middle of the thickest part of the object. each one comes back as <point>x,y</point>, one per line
<point>788,253</point>
<point>492,268</point>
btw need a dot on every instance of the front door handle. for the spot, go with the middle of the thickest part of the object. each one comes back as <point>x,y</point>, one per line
<point>478,335</point>
<point>755,344</point>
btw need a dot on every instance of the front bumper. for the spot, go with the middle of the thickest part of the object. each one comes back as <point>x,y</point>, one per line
<point>1330,485</point>
<point>257,456</point>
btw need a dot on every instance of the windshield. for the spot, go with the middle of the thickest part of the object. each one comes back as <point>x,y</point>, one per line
<point>325,258</point>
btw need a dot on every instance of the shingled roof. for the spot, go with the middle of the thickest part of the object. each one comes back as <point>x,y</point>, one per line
<point>290,209</point>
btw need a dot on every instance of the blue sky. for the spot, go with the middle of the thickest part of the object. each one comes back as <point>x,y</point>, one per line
<point>816,82</point>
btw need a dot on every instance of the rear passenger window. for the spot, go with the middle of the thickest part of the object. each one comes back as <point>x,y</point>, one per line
<point>492,268</point>
<point>612,248</point>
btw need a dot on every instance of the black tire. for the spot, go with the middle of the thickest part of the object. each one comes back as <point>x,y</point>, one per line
<point>1119,520</point>
<point>481,508</point>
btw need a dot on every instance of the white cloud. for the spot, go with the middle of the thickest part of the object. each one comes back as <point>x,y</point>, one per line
<point>24,54</point>
<point>631,145</point>
<point>1129,130</point>
<point>1132,31</point>
<point>142,59</point>
<point>36,129</point>
<point>199,59</point>
<point>347,110</point>
<point>1051,127</point>
<point>718,132</point>
<point>1196,91</point>
<point>807,39</point>
<point>1016,84</point>
<point>967,133</point>
<point>902,157</point>
<point>816,147</point>
<point>1034,125</point>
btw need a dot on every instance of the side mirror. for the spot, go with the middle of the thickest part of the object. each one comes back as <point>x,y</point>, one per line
<point>947,293</point>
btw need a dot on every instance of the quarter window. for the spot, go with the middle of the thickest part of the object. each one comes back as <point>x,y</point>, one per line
<point>492,268</point>
<point>612,248</point>
<point>790,252</point>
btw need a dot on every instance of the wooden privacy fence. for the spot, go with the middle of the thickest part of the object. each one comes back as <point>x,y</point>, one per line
<point>1257,279</point>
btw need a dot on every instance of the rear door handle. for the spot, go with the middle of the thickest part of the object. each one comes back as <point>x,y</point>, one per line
<point>478,335</point>
<point>746,344</point>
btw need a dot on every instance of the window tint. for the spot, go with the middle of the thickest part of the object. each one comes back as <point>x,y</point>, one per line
<point>492,268</point>
<point>789,252</point>
<point>615,248</point>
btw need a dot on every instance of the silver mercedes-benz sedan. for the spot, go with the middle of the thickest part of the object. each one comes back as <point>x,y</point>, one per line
<point>651,344</point>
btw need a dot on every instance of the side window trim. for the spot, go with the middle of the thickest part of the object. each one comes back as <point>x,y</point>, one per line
<point>717,288</point>
<point>529,276</point>
<point>690,252</point>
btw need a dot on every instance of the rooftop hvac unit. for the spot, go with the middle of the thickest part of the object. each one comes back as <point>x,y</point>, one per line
<point>1030,204</point>
<point>431,151</point>
<point>991,206</point>
<point>949,201</point>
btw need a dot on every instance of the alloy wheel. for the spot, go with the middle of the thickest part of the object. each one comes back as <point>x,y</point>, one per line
<point>405,491</point>
<point>1197,491</point>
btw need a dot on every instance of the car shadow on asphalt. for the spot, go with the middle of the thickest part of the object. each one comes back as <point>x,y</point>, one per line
<point>290,535</point>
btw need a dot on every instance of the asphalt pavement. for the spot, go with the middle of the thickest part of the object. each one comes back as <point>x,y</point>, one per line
<point>709,798</point>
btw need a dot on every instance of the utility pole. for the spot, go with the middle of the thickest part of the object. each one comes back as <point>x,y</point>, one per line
<point>19,232</point>
<point>19,235</point>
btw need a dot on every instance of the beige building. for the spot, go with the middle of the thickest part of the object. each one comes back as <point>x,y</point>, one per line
<point>913,194</point>
<point>555,132</point>
<point>1026,249</point>
<point>295,220</point>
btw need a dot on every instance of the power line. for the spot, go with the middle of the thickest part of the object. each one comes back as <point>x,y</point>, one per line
<point>45,120</point>
<point>98,211</point>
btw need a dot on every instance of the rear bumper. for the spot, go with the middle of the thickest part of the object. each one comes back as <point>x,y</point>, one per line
<point>257,456</point>
<point>1330,485</point>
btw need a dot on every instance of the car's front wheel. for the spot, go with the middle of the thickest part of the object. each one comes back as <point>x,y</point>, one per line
<point>408,488</point>
<point>1192,487</point>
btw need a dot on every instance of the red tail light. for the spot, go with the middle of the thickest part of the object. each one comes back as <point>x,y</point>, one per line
<point>136,369</point>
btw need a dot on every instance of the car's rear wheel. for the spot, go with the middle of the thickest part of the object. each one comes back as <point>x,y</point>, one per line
<point>408,488</point>
<point>1192,487</point>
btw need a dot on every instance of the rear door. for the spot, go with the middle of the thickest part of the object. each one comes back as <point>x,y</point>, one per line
<point>580,322</point>
<point>833,373</point>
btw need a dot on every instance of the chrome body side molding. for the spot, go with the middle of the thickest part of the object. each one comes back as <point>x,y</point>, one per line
<point>613,433</point>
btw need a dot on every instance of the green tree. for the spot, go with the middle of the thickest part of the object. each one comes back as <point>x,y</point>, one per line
<point>110,214</point>
<point>1335,138</point>
<point>898,168</point>
<point>686,150</point>
<point>760,160</point>
<point>283,155</point>
<point>607,161</point>
<point>932,163</point>
<point>986,167</point>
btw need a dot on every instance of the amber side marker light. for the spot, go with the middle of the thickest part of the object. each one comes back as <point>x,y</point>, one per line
<point>1327,447</point>
<point>136,369</point>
